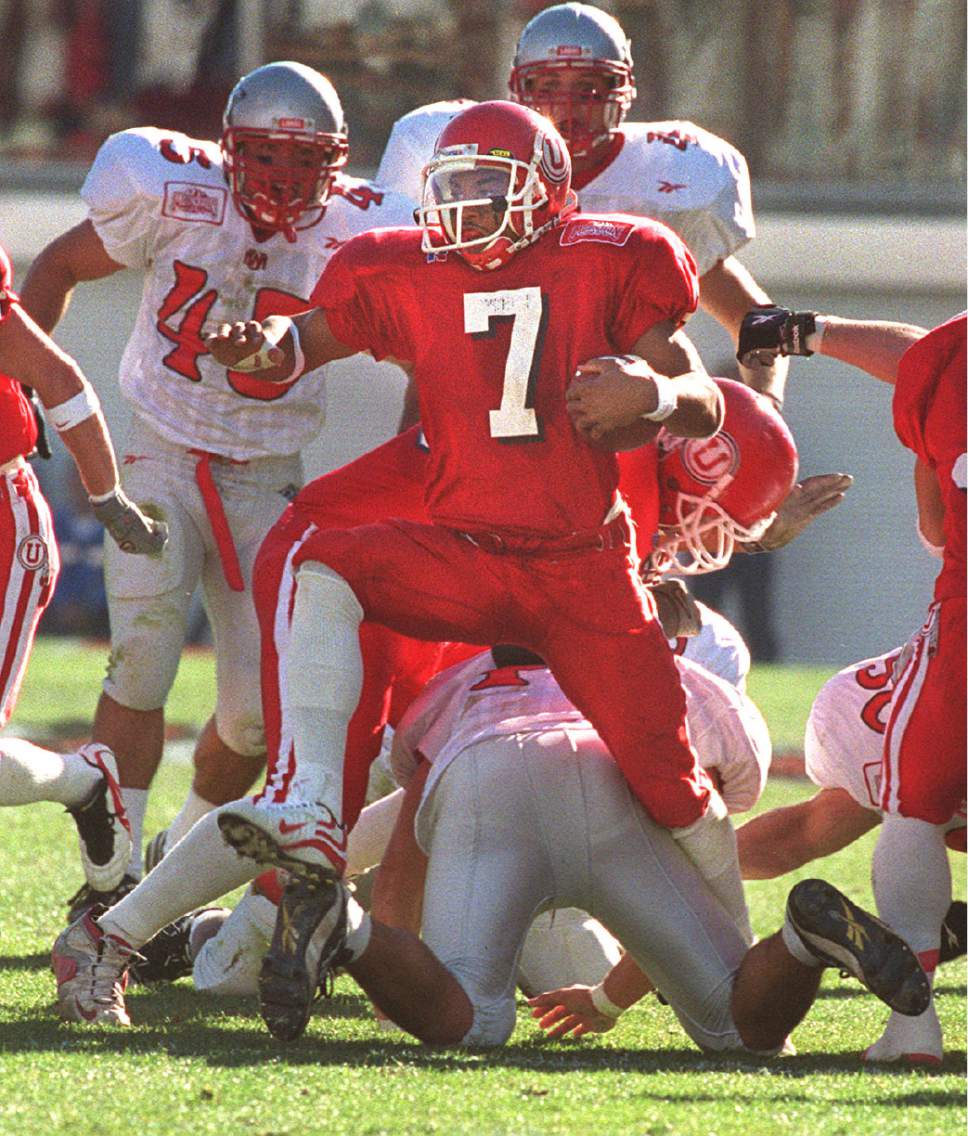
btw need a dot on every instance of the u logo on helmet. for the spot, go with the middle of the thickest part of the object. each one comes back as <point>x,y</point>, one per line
<point>554,160</point>
<point>709,460</point>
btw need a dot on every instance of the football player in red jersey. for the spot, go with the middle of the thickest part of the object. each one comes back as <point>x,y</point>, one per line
<point>923,768</point>
<point>86,781</point>
<point>529,369</point>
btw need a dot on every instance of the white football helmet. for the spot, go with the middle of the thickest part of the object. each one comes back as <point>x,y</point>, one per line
<point>283,141</point>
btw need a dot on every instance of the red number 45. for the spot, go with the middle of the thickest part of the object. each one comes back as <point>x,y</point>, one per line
<point>183,313</point>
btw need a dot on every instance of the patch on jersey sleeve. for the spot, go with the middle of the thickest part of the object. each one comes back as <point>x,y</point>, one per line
<point>188,201</point>
<point>597,229</point>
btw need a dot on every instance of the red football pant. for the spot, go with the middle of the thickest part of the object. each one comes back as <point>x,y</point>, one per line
<point>925,742</point>
<point>583,610</point>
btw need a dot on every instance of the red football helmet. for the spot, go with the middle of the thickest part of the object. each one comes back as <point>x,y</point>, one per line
<point>283,142</point>
<point>499,178</point>
<point>574,63</point>
<point>716,491</point>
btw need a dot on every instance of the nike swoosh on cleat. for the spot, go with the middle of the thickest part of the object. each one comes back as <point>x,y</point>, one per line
<point>285,827</point>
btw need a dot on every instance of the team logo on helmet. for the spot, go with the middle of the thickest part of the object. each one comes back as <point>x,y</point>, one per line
<point>555,164</point>
<point>709,460</point>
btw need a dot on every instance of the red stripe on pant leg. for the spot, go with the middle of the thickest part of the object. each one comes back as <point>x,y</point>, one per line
<point>23,606</point>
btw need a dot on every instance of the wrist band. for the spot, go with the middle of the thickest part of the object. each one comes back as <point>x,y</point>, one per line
<point>815,338</point>
<point>102,497</point>
<point>668,396</point>
<point>260,360</point>
<point>67,415</point>
<point>602,1003</point>
<point>299,358</point>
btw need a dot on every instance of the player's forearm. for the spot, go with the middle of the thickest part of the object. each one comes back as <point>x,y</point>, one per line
<point>771,845</point>
<point>626,983</point>
<point>874,346</point>
<point>90,446</point>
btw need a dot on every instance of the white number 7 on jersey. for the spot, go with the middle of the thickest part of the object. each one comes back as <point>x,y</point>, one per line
<point>514,418</point>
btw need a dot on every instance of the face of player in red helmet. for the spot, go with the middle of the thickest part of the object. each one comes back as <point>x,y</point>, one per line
<point>714,492</point>
<point>499,178</point>
<point>574,64</point>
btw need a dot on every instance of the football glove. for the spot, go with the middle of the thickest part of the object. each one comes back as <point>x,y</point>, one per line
<point>131,529</point>
<point>768,331</point>
<point>678,611</point>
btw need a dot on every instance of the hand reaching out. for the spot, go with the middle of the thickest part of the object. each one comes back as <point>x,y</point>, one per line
<point>569,1012</point>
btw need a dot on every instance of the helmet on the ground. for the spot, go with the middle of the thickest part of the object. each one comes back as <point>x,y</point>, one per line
<point>499,178</point>
<point>283,141</point>
<point>714,492</point>
<point>574,64</point>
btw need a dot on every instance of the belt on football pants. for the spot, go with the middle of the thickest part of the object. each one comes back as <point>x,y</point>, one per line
<point>215,511</point>
<point>614,534</point>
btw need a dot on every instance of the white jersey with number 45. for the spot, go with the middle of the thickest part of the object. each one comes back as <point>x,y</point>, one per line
<point>678,173</point>
<point>159,202</point>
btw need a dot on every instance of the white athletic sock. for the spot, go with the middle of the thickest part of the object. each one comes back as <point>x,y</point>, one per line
<point>324,680</point>
<point>194,808</point>
<point>29,773</point>
<point>199,869</point>
<point>229,963</point>
<point>710,843</point>
<point>135,805</point>
<point>796,946</point>
<point>909,1039</point>
<point>371,834</point>
<point>912,882</point>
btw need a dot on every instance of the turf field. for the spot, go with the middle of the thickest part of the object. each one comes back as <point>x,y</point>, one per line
<point>190,1065</point>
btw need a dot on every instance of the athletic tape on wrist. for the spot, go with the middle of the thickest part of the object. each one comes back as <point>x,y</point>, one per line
<point>65,416</point>
<point>261,361</point>
<point>102,497</point>
<point>667,393</point>
<point>815,338</point>
<point>603,1004</point>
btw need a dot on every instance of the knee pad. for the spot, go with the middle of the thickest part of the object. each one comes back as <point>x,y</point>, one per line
<point>147,638</point>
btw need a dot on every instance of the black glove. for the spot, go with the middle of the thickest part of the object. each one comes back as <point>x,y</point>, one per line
<point>43,445</point>
<point>767,332</point>
<point>131,529</point>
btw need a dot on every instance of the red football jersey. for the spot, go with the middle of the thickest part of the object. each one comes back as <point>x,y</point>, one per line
<point>18,430</point>
<point>929,417</point>
<point>494,352</point>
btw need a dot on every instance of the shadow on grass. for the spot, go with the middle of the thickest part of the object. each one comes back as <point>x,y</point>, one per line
<point>228,1033</point>
<point>39,961</point>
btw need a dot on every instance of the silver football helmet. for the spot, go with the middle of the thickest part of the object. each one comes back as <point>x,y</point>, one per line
<point>283,141</point>
<point>574,64</point>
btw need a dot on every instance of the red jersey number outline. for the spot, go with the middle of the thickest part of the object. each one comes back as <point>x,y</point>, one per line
<point>879,676</point>
<point>188,296</point>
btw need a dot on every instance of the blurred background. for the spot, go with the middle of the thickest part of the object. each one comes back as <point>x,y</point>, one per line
<point>851,114</point>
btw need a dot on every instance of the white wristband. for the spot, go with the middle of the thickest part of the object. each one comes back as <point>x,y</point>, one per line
<point>67,415</point>
<point>815,338</point>
<point>601,1001</point>
<point>667,394</point>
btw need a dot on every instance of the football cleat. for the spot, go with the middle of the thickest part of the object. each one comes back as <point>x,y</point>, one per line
<point>155,850</point>
<point>304,838</point>
<point>171,953</point>
<point>842,935</point>
<point>91,969</point>
<point>954,932</point>
<point>306,945</point>
<point>87,897</point>
<point>102,824</point>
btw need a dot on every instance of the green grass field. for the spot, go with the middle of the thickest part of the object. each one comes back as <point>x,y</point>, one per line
<point>191,1065</point>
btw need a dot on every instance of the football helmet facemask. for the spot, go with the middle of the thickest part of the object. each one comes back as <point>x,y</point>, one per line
<point>574,64</point>
<point>499,178</point>
<point>715,492</point>
<point>283,141</point>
